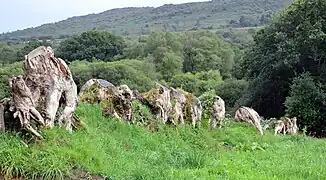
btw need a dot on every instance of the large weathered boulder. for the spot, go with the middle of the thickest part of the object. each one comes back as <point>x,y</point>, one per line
<point>159,101</point>
<point>116,101</point>
<point>286,126</point>
<point>94,90</point>
<point>193,109</point>
<point>217,113</point>
<point>250,116</point>
<point>101,83</point>
<point>178,102</point>
<point>5,105</point>
<point>37,94</point>
<point>50,79</point>
<point>293,127</point>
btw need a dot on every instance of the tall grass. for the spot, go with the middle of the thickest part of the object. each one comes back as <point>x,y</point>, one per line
<point>117,150</point>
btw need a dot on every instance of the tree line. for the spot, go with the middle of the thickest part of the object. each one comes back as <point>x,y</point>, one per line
<point>197,61</point>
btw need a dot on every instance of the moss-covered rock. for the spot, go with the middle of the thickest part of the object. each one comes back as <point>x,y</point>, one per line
<point>189,108</point>
<point>115,101</point>
<point>152,94</point>
<point>158,100</point>
<point>91,94</point>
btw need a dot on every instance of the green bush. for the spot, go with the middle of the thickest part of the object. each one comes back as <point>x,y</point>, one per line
<point>134,73</point>
<point>307,103</point>
<point>7,71</point>
<point>197,83</point>
<point>92,44</point>
<point>230,91</point>
<point>206,100</point>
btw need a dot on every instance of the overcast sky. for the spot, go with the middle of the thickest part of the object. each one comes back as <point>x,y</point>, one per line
<point>20,14</point>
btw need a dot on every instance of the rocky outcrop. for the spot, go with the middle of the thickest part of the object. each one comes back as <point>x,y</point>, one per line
<point>116,101</point>
<point>286,126</point>
<point>178,102</point>
<point>159,101</point>
<point>193,109</point>
<point>217,113</point>
<point>37,94</point>
<point>101,83</point>
<point>250,116</point>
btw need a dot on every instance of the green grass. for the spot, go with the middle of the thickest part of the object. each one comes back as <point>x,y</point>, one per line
<point>107,147</point>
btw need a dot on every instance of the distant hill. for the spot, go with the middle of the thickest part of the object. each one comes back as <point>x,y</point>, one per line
<point>131,21</point>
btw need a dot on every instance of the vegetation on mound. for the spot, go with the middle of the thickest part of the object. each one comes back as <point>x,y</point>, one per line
<point>208,15</point>
<point>109,148</point>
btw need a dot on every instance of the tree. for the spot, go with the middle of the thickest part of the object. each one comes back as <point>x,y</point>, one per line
<point>198,83</point>
<point>307,103</point>
<point>92,44</point>
<point>247,21</point>
<point>171,65</point>
<point>7,54</point>
<point>138,75</point>
<point>163,49</point>
<point>291,44</point>
<point>230,91</point>
<point>204,51</point>
<point>242,21</point>
<point>6,72</point>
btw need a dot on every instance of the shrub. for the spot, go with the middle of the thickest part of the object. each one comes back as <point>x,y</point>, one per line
<point>306,102</point>
<point>197,83</point>
<point>7,71</point>
<point>231,90</point>
<point>136,74</point>
<point>92,44</point>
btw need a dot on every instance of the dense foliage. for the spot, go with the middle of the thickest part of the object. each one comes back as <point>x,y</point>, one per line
<point>161,56</point>
<point>6,71</point>
<point>136,74</point>
<point>173,53</point>
<point>292,44</point>
<point>172,18</point>
<point>307,101</point>
<point>7,54</point>
<point>197,83</point>
<point>92,44</point>
<point>230,91</point>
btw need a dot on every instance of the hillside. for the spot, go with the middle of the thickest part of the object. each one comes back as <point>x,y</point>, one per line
<point>181,17</point>
<point>120,151</point>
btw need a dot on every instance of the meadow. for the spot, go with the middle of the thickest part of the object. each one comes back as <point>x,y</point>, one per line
<point>115,150</point>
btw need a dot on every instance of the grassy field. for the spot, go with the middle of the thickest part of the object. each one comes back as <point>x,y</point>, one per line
<point>120,151</point>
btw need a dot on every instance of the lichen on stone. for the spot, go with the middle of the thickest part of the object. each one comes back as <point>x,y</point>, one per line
<point>91,94</point>
<point>189,103</point>
<point>107,106</point>
<point>152,94</point>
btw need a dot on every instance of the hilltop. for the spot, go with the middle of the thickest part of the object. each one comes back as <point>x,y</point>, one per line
<point>131,21</point>
<point>117,150</point>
